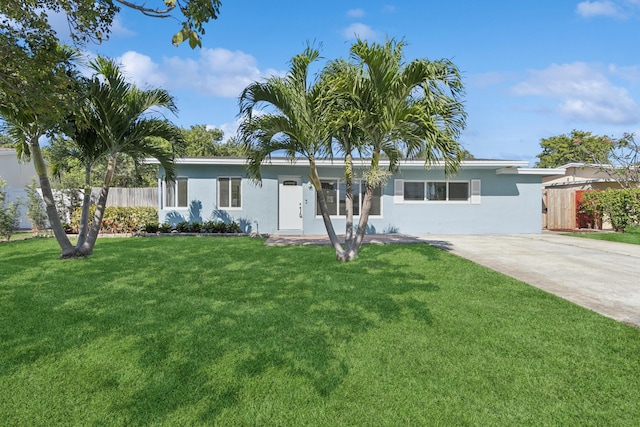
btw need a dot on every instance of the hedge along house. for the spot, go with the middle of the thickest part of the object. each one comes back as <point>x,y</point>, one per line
<point>486,196</point>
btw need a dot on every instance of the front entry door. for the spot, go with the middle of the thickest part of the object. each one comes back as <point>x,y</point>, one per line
<point>290,204</point>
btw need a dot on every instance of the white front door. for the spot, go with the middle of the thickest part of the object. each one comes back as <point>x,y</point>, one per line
<point>290,204</point>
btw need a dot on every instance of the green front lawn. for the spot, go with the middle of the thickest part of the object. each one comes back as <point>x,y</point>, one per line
<point>204,331</point>
<point>631,235</point>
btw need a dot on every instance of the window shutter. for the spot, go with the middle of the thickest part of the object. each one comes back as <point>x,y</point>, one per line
<point>475,191</point>
<point>398,191</point>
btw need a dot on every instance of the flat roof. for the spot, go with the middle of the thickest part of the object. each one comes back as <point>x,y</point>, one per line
<point>278,161</point>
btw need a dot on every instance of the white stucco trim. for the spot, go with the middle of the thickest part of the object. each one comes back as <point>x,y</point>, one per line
<point>530,171</point>
<point>364,162</point>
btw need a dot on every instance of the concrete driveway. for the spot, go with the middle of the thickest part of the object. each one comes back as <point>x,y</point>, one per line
<point>602,276</point>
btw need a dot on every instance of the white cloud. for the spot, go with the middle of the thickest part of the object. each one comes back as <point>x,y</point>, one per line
<point>631,73</point>
<point>589,9</point>
<point>216,72</point>
<point>355,13</point>
<point>621,9</point>
<point>229,129</point>
<point>142,70</point>
<point>585,93</point>
<point>359,30</point>
<point>119,30</point>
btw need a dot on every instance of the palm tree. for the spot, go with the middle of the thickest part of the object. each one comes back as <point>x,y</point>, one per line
<point>343,125</point>
<point>295,124</point>
<point>32,106</point>
<point>404,111</point>
<point>374,105</point>
<point>115,121</point>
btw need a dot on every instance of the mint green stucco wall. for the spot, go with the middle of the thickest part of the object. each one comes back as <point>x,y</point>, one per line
<point>508,204</point>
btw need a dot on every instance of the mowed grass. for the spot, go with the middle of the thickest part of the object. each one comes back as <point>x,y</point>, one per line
<point>226,331</point>
<point>631,235</point>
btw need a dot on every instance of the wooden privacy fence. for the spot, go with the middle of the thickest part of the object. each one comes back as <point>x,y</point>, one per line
<point>560,206</point>
<point>563,210</point>
<point>126,197</point>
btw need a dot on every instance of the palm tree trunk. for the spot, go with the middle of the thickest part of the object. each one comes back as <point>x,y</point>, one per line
<point>88,245</point>
<point>348,240</point>
<point>324,210</point>
<point>362,225</point>
<point>86,204</point>
<point>364,212</point>
<point>47,194</point>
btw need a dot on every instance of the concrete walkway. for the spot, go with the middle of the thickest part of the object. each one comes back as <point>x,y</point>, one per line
<point>599,275</point>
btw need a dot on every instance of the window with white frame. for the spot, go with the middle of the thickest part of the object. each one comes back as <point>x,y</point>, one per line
<point>421,191</point>
<point>229,192</point>
<point>335,194</point>
<point>175,194</point>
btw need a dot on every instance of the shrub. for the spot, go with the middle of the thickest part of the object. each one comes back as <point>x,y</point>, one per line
<point>151,227</point>
<point>208,227</point>
<point>182,227</point>
<point>9,214</point>
<point>35,209</point>
<point>118,219</point>
<point>164,227</point>
<point>233,227</point>
<point>620,207</point>
<point>219,227</point>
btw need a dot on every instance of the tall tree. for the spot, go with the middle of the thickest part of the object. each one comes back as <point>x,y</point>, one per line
<point>576,147</point>
<point>403,110</point>
<point>295,124</point>
<point>115,121</point>
<point>375,105</point>
<point>68,169</point>
<point>204,141</point>
<point>343,124</point>
<point>32,104</point>
<point>623,161</point>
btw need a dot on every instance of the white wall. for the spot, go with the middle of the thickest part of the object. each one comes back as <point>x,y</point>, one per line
<point>17,175</point>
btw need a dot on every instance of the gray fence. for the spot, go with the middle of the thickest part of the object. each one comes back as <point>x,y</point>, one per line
<point>130,196</point>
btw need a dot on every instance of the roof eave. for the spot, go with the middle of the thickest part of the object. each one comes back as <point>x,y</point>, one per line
<point>531,171</point>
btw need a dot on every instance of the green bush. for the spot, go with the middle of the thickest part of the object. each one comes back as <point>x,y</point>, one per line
<point>205,227</point>
<point>35,208</point>
<point>182,227</point>
<point>151,227</point>
<point>9,214</point>
<point>620,207</point>
<point>165,227</point>
<point>233,227</point>
<point>118,219</point>
<point>208,227</point>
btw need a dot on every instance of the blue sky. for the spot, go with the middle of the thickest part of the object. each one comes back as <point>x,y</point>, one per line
<point>532,69</point>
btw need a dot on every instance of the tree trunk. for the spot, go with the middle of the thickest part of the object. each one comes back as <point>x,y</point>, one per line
<point>364,213</point>
<point>362,225</point>
<point>87,247</point>
<point>348,161</point>
<point>47,194</point>
<point>86,204</point>
<point>324,210</point>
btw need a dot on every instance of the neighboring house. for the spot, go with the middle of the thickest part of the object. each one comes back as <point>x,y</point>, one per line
<point>17,175</point>
<point>562,194</point>
<point>486,196</point>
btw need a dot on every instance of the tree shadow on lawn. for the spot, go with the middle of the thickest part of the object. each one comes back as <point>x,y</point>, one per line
<point>200,324</point>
